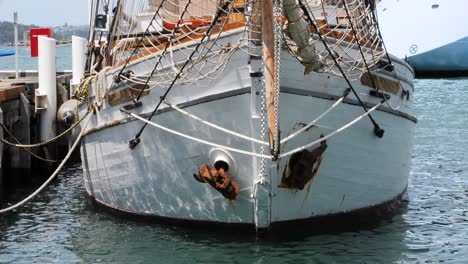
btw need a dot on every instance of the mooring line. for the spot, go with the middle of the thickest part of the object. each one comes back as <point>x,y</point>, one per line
<point>40,144</point>
<point>31,196</point>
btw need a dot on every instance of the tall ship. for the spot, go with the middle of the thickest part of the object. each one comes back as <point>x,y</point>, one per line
<point>423,37</point>
<point>251,113</point>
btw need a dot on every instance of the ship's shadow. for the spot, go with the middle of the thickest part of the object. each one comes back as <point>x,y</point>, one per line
<point>358,221</point>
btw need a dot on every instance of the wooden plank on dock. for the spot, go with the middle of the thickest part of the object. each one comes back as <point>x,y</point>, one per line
<point>10,92</point>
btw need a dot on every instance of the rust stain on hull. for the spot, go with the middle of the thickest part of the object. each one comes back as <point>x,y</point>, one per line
<point>302,167</point>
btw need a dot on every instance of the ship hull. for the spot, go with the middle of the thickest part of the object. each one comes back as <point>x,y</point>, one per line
<point>356,171</point>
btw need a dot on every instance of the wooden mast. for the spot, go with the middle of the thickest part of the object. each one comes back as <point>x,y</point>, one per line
<point>268,41</point>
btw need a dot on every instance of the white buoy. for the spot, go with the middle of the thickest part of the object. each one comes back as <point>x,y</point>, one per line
<point>79,49</point>
<point>46,94</point>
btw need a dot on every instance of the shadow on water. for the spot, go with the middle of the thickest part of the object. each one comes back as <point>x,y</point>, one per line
<point>360,220</point>
<point>117,239</point>
<point>62,225</point>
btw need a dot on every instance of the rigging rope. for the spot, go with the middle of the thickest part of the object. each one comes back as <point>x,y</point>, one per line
<point>355,37</point>
<point>135,21</point>
<point>310,16</point>
<point>286,139</point>
<point>168,44</point>
<point>392,67</point>
<point>136,140</point>
<point>216,126</point>
<point>140,40</point>
<point>259,155</point>
<point>146,121</point>
<point>289,153</point>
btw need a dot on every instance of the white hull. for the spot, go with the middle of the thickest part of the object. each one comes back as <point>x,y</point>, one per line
<point>358,169</point>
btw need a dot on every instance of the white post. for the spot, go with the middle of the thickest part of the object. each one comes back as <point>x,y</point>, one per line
<point>79,49</point>
<point>15,22</point>
<point>47,90</point>
<point>90,11</point>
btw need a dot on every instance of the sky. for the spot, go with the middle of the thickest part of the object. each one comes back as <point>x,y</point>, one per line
<point>46,12</point>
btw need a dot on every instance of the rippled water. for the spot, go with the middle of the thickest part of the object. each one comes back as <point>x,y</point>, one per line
<point>61,225</point>
<point>25,61</point>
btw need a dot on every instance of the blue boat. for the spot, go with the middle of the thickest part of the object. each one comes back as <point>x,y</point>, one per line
<point>4,53</point>
<point>424,33</point>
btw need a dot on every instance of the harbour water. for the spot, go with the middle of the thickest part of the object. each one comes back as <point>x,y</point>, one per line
<point>61,225</point>
<point>27,63</point>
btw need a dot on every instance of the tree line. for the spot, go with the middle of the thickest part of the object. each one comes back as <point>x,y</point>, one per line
<point>7,32</point>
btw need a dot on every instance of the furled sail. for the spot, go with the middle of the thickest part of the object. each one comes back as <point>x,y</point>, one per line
<point>299,31</point>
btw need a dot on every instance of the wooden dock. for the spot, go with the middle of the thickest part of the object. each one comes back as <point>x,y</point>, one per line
<point>20,123</point>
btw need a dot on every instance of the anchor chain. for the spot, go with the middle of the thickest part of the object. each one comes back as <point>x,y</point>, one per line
<point>278,22</point>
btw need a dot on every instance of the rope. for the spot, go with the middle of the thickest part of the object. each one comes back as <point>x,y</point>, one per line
<point>31,196</point>
<point>216,126</point>
<point>311,17</point>
<point>355,37</point>
<point>374,19</point>
<point>82,92</point>
<point>194,138</point>
<point>141,39</point>
<point>168,44</point>
<point>218,14</point>
<point>27,150</point>
<point>313,122</point>
<point>100,86</point>
<point>45,142</point>
<point>253,153</point>
<point>331,134</point>
<point>365,61</point>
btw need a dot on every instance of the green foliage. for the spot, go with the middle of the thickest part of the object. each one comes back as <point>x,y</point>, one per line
<point>59,33</point>
<point>7,31</point>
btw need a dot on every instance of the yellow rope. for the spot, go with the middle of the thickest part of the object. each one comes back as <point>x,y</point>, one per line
<point>41,143</point>
<point>60,166</point>
<point>30,152</point>
<point>82,92</point>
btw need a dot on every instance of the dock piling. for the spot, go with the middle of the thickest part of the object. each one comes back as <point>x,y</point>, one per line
<point>79,49</point>
<point>46,94</point>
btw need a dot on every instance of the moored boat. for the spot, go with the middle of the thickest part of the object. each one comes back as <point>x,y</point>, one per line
<point>4,53</point>
<point>424,38</point>
<point>234,113</point>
